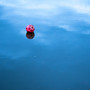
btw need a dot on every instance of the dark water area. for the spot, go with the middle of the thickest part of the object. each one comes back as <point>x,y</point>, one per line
<point>57,58</point>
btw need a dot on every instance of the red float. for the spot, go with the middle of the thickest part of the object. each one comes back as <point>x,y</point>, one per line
<point>30,28</point>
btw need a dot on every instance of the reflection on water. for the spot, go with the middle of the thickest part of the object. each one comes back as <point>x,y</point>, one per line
<point>57,57</point>
<point>30,35</point>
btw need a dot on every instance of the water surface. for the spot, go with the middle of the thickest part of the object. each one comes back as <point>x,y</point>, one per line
<point>57,58</point>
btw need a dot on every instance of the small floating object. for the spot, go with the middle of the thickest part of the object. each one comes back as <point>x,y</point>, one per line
<point>30,28</point>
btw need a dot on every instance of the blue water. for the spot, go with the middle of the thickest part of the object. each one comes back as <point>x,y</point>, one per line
<point>58,56</point>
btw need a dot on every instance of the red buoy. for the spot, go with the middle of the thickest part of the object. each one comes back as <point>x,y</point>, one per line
<point>30,28</point>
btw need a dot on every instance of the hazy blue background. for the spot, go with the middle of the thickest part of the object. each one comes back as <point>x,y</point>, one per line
<point>57,58</point>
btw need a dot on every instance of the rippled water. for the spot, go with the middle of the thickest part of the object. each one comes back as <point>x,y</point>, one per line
<point>58,56</point>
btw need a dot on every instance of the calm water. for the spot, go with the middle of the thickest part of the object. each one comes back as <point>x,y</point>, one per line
<point>57,58</point>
